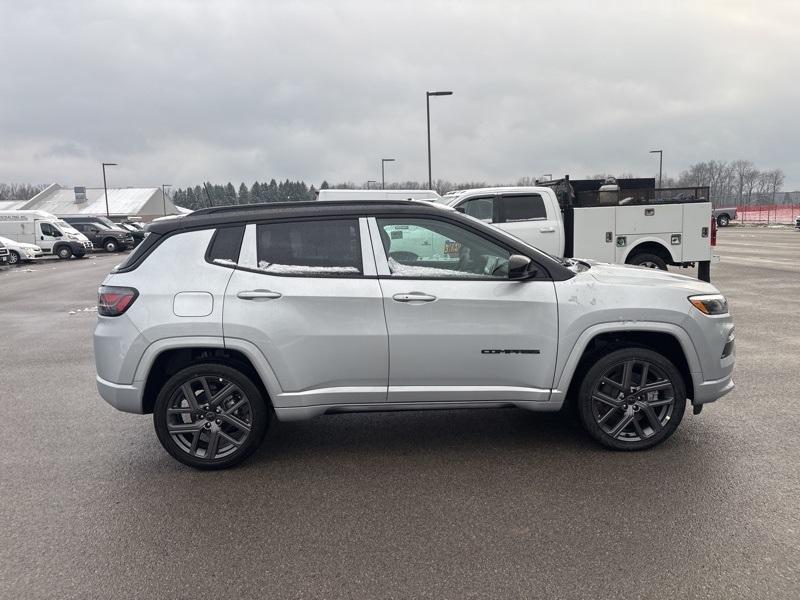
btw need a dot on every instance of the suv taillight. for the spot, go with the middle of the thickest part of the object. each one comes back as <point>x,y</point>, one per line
<point>113,301</point>
<point>713,231</point>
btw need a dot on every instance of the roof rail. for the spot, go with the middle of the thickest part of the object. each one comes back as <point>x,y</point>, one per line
<point>214,210</point>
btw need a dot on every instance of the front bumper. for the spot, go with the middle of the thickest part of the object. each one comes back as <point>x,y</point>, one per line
<point>709,391</point>
<point>124,397</point>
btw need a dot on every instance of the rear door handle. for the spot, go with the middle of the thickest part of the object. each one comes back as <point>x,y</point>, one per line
<point>258,295</point>
<point>413,297</point>
<point>547,229</point>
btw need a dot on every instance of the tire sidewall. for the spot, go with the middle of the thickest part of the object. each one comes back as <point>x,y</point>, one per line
<point>606,362</point>
<point>110,246</point>
<point>64,252</point>
<point>258,404</point>
<point>647,257</point>
<point>14,258</point>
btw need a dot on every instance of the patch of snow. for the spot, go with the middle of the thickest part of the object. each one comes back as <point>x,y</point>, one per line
<point>302,269</point>
<point>413,271</point>
<point>225,261</point>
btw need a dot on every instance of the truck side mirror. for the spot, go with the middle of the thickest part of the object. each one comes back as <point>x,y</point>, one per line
<point>519,267</point>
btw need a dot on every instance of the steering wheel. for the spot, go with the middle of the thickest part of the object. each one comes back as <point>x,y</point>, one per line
<point>403,256</point>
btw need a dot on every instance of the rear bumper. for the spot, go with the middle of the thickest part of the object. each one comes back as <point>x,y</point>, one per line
<point>124,397</point>
<point>709,391</point>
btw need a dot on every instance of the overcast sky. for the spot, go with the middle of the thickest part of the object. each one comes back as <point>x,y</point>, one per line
<point>181,92</point>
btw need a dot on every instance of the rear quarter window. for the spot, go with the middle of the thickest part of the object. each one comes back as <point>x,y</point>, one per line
<point>225,246</point>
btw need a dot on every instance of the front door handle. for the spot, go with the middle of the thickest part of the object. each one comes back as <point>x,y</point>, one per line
<point>258,295</point>
<point>413,297</point>
<point>547,229</point>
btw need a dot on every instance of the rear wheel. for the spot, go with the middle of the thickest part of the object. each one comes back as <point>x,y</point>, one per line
<point>651,261</point>
<point>64,252</point>
<point>110,245</point>
<point>13,257</point>
<point>723,220</point>
<point>632,399</point>
<point>210,416</point>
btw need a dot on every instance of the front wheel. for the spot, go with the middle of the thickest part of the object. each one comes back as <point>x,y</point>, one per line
<point>210,416</point>
<point>110,246</point>
<point>651,261</point>
<point>64,252</point>
<point>632,399</point>
<point>13,257</point>
<point>723,220</point>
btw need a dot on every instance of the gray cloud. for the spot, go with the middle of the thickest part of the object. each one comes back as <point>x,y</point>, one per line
<point>184,91</point>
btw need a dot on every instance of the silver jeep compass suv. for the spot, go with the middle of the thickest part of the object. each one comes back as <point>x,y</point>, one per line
<point>226,316</point>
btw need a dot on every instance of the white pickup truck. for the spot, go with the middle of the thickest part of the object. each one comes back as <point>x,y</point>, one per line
<point>622,221</point>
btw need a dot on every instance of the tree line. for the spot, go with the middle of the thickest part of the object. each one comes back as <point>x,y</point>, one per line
<point>19,191</point>
<point>737,182</point>
<point>209,194</point>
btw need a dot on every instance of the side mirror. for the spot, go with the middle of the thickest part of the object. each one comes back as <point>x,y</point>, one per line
<point>519,267</point>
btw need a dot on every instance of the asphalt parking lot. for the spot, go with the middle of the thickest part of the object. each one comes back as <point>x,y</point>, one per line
<point>469,504</point>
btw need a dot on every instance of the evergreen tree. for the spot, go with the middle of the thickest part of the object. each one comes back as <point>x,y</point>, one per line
<point>244,194</point>
<point>256,193</point>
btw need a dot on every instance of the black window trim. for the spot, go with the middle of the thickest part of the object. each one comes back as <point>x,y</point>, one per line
<point>207,255</point>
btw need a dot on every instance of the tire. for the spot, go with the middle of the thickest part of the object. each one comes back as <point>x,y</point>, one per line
<point>723,220</point>
<point>189,430</point>
<point>110,245</point>
<point>651,418</point>
<point>645,259</point>
<point>64,252</point>
<point>13,257</point>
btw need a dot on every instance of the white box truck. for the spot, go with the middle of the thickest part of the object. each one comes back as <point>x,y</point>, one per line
<point>620,221</point>
<point>45,230</point>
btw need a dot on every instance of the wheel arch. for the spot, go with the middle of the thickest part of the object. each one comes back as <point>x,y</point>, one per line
<point>664,338</point>
<point>650,246</point>
<point>167,359</point>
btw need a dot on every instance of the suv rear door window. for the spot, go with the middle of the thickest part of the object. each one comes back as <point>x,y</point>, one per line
<point>330,248</point>
<point>524,207</point>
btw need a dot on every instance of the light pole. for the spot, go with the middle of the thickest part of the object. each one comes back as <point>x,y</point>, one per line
<point>369,182</point>
<point>105,187</point>
<point>164,195</point>
<point>428,113</point>
<point>660,163</point>
<point>383,177</point>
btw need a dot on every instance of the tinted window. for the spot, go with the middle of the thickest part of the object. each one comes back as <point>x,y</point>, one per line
<point>48,229</point>
<point>523,208</point>
<point>329,248</point>
<point>428,248</point>
<point>225,245</point>
<point>480,208</point>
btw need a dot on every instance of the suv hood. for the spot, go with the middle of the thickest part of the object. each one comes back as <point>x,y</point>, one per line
<point>643,276</point>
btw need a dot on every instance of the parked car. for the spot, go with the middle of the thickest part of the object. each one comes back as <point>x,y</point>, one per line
<point>20,251</point>
<point>724,216</point>
<point>110,239</point>
<point>623,222</point>
<point>136,232</point>
<point>4,254</point>
<point>44,230</point>
<point>224,317</point>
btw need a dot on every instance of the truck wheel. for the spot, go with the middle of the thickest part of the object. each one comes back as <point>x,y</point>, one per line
<point>110,245</point>
<point>723,220</point>
<point>210,416</point>
<point>64,252</point>
<point>652,261</point>
<point>13,257</point>
<point>631,399</point>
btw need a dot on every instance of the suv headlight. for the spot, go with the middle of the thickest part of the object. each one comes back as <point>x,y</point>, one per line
<point>710,304</point>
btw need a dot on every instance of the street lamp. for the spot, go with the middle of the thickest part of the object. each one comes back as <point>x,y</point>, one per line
<point>369,182</point>
<point>428,112</point>
<point>383,177</point>
<point>164,195</point>
<point>105,187</point>
<point>660,162</point>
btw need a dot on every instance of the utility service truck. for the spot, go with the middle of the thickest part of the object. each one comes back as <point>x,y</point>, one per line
<point>624,221</point>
